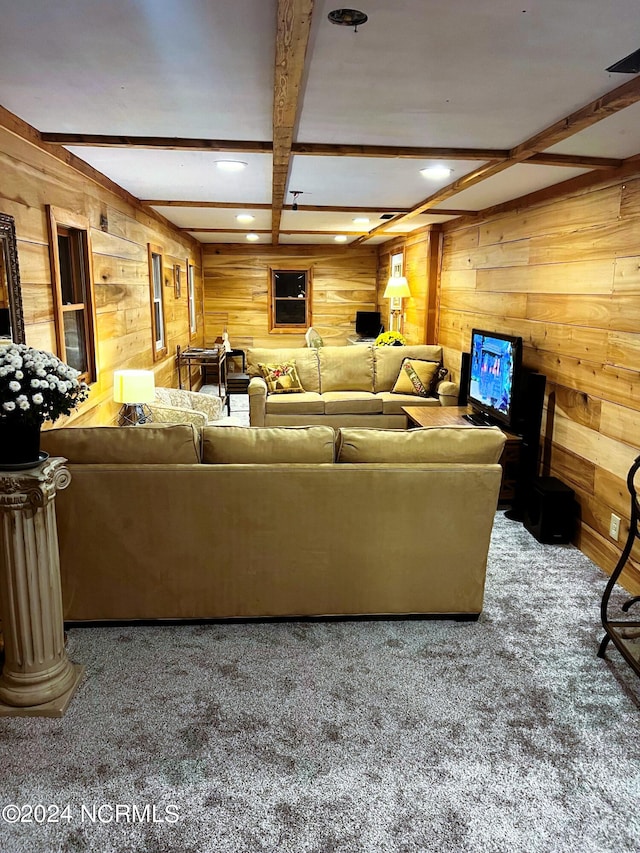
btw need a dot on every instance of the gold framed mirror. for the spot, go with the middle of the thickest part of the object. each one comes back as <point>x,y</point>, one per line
<point>11,315</point>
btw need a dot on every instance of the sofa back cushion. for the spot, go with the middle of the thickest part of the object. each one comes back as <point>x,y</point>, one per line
<point>268,445</point>
<point>306,361</point>
<point>346,368</point>
<point>148,445</point>
<point>388,360</point>
<point>459,444</point>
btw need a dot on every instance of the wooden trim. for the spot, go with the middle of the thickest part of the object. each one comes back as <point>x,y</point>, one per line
<point>434,258</point>
<point>603,107</point>
<point>320,208</point>
<point>54,261</point>
<point>574,161</point>
<point>190,265</point>
<point>155,249</point>
<point>292,38</point>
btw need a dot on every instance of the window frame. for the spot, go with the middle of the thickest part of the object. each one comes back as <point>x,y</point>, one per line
<point>154,250</point>
<point>290,328</point>
<point>192,308</point>
<point>65,223</point>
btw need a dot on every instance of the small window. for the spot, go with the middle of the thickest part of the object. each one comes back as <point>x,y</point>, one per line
<point>191,298</point>
<point>73,292</point>
<point>290,300</point>
<point>156,284</point>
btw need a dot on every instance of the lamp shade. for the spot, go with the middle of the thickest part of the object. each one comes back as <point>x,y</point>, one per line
<point>133,386</point>
<point>397,287</point>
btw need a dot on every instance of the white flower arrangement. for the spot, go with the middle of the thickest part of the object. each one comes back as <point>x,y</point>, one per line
<point>35,386</point>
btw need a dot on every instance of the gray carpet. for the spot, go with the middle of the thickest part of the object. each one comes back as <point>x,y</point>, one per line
<point>508,734</point>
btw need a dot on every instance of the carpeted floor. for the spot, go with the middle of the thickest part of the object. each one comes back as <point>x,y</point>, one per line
<point>508,734</point>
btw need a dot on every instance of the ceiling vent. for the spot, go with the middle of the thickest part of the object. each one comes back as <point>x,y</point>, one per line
<point>387,216</point>
<point>629,65</point>
<point>348,18</point>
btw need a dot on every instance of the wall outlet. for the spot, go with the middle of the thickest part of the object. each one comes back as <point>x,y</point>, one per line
<point>614,527</point>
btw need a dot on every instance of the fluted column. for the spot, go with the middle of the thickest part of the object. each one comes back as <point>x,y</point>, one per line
<point>37,678</point>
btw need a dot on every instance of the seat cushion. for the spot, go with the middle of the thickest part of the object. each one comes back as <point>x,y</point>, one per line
<point>351,403</point>
<point>148,445</point>
<point>306,363</point>
<point>387,361</point>
<point>268,445</point>
<point>346,368</point>
<point>459,444</point>
<point>305,403</point>
<point>392,403</point>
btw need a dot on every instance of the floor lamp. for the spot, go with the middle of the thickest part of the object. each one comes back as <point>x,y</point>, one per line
<point>396,290</point>
<point>134,389</point>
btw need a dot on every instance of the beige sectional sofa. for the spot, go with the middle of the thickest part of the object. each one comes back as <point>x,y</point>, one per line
<point>167,523</point>
<point>344,386</point>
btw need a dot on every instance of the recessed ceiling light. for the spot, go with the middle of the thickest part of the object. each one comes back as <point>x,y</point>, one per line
<point>253,237</point>
<point>361,220</point>
<point>340,238</point>
<point>231,165</point>
<point>245,217</point>
<point>435,173</point>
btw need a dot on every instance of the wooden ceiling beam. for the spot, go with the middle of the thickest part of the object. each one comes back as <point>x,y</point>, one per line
<point>603,107</point>
<point>292,39</point>
<point>318,208</point>
<point>167,143</point>
<point>575,161</point>
<point>322,149</point>
<point>267,231</point>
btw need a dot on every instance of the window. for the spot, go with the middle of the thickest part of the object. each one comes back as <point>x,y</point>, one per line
<point>156,285</point>
<point>191,299</point>
<point>73,291</point>
<point>290,301</point>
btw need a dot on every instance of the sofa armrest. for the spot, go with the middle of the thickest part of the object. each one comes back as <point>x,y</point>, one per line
<point>176,415</point>
<point>257,401</point>
<point>448,393</point>
<point>209,404</point>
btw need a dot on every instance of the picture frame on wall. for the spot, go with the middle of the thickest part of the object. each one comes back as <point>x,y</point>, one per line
<point>177,284</point>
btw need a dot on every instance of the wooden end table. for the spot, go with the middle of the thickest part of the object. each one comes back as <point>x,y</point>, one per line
<point>434,416</point>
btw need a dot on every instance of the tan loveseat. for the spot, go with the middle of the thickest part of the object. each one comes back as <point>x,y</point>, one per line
<point>161,523</point>
<point>344,386</point>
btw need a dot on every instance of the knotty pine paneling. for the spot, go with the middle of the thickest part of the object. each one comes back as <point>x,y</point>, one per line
<point>33,178</point>
<point>564,275</point>
<point>236,291</point>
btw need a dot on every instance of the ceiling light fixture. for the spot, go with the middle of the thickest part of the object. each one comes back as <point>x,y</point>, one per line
<point>253,237</point>
<point>348,18</point>
<point>435,173</point>
<point>340,238</point>
<point>231,165</point>
<point>295,194</point>
<point>245,217</point>
<point>361,220</point>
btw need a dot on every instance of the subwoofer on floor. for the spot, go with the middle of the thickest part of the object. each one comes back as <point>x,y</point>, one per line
<point>550,511</point>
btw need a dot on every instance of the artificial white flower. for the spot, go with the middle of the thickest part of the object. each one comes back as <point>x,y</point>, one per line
<point>9,406</point>
<point>38,399</point>
<point>14,386</point>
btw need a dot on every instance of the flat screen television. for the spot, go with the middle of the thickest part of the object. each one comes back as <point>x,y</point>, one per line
<point>494,374</point>
<point>368,324</point>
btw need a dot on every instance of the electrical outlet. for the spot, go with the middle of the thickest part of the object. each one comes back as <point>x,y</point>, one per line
<point>614,527</point>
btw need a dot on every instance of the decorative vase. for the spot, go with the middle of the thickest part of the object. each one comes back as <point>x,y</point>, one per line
<point>19,444</point>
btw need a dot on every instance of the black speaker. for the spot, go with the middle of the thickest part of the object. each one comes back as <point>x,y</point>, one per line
<point>527,423</point>
<point>550,511</point>
<point>465,367</point>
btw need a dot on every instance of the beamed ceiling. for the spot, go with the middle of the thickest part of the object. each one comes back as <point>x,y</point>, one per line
<point>513,97</point>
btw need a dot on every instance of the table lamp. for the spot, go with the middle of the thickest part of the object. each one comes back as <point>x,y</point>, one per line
<point>396,290</point>
<point>134,389</point>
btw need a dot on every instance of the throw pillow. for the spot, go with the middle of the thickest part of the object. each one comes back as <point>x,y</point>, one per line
<point>281,378</point>
<point>440,374</point>
<point>415,377</point>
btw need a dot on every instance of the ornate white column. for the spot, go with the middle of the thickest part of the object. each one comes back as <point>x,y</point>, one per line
<point>37,678</point>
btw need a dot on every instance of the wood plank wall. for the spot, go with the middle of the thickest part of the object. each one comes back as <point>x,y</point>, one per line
<point>33,178</point>
<point>565,275</point>
<point>236,288</point>
<point>419,310</point>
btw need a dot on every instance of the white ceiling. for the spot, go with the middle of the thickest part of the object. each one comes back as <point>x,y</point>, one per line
<point>460,73</point>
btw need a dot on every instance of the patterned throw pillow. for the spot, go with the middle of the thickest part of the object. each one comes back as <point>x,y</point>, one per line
<point>281,378</point>
<point>416,377</point>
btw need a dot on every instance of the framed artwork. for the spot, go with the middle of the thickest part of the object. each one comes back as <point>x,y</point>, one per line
<point>397,265</point>
<point>177,285</point>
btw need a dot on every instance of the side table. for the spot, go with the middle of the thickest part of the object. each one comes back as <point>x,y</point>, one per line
<point>37,679</point>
